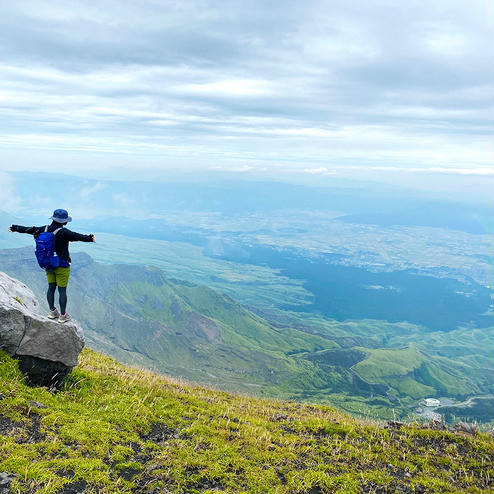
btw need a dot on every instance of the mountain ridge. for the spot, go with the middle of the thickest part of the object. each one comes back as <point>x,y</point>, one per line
<point>141,317</point>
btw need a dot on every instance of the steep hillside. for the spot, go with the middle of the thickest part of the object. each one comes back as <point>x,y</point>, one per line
<point>139,316</point>
<point>114,429</point>
<point>191,331</point>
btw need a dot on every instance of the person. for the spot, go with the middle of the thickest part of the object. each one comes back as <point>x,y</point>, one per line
<point>59,277</point>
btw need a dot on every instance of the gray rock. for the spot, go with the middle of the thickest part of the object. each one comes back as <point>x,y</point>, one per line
<point>394,424</point>
<point>43,346</point>
<point>16,300</point>
<point>5,481</point>
<point>48,339</point>
<point>437,425</point>
<point>464,427</point>
<point>37,404</point>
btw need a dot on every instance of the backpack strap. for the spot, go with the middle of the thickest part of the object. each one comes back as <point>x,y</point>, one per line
<point>46,228</point>
<point>57,230</point>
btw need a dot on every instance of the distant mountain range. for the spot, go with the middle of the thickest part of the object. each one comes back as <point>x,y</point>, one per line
<point>437,215</point>
<point>383,205</point>
<point>139,316</point>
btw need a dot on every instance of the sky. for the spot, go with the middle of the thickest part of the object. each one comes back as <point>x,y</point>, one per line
<point>382,90</point>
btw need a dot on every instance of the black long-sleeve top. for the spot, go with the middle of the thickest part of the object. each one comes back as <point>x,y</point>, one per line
<point>62,238</point>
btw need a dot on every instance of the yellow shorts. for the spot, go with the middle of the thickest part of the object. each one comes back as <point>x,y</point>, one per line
<point>60,276</point>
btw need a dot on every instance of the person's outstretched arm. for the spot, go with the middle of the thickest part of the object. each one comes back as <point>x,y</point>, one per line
<point>78,237</point>
<point>32,230</point>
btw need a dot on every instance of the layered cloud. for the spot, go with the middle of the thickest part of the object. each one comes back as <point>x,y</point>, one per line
<point>308,86</point>
<point>8,196</point>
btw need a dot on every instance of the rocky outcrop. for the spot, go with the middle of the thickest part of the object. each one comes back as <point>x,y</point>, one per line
<point>5,481</point>
<point>47,350</point>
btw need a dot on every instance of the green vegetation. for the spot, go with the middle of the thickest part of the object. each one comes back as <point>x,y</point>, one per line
<point>256,285</point>
<point>114,429</point>
<point>412,373</point>
<point>369,368</point>
<point>383,363</point>
<point>473,409</point>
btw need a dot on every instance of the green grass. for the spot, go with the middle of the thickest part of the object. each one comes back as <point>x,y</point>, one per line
<point>140,316</point>
<point>384,363</point>
<point>124,430</point>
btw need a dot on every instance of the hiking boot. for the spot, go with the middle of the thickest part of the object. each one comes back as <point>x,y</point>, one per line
<point>64,317</point>
<point>54,314</point>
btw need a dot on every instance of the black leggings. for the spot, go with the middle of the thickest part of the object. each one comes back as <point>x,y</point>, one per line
<point>62,296</point>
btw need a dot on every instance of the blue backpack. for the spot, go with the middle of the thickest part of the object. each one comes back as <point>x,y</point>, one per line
<point>45,250</point>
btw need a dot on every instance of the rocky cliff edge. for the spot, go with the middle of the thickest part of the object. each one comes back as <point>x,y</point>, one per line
<point>46,349</point>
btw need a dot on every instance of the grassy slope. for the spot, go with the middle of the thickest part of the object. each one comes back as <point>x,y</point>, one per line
<point>140,316</point>
<point>123,430</point>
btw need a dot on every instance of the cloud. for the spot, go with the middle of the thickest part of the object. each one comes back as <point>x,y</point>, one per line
<point>232,87</point>
<point>191,84</point>
<point>432,170</point>
<point>9,200</point>
<point>238,169</point>
<point>88,191</point>
<point>124,200</point>
<point>464,171</point>
<point>319,171</point>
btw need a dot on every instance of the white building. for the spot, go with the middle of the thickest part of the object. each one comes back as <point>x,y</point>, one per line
<point>432,402</point>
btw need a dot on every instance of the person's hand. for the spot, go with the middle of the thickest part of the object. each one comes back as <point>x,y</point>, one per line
<point>9,229</point>
<point>92,238</point>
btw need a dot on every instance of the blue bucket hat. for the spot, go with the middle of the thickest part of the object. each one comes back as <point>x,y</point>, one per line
<point>61,216</point>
